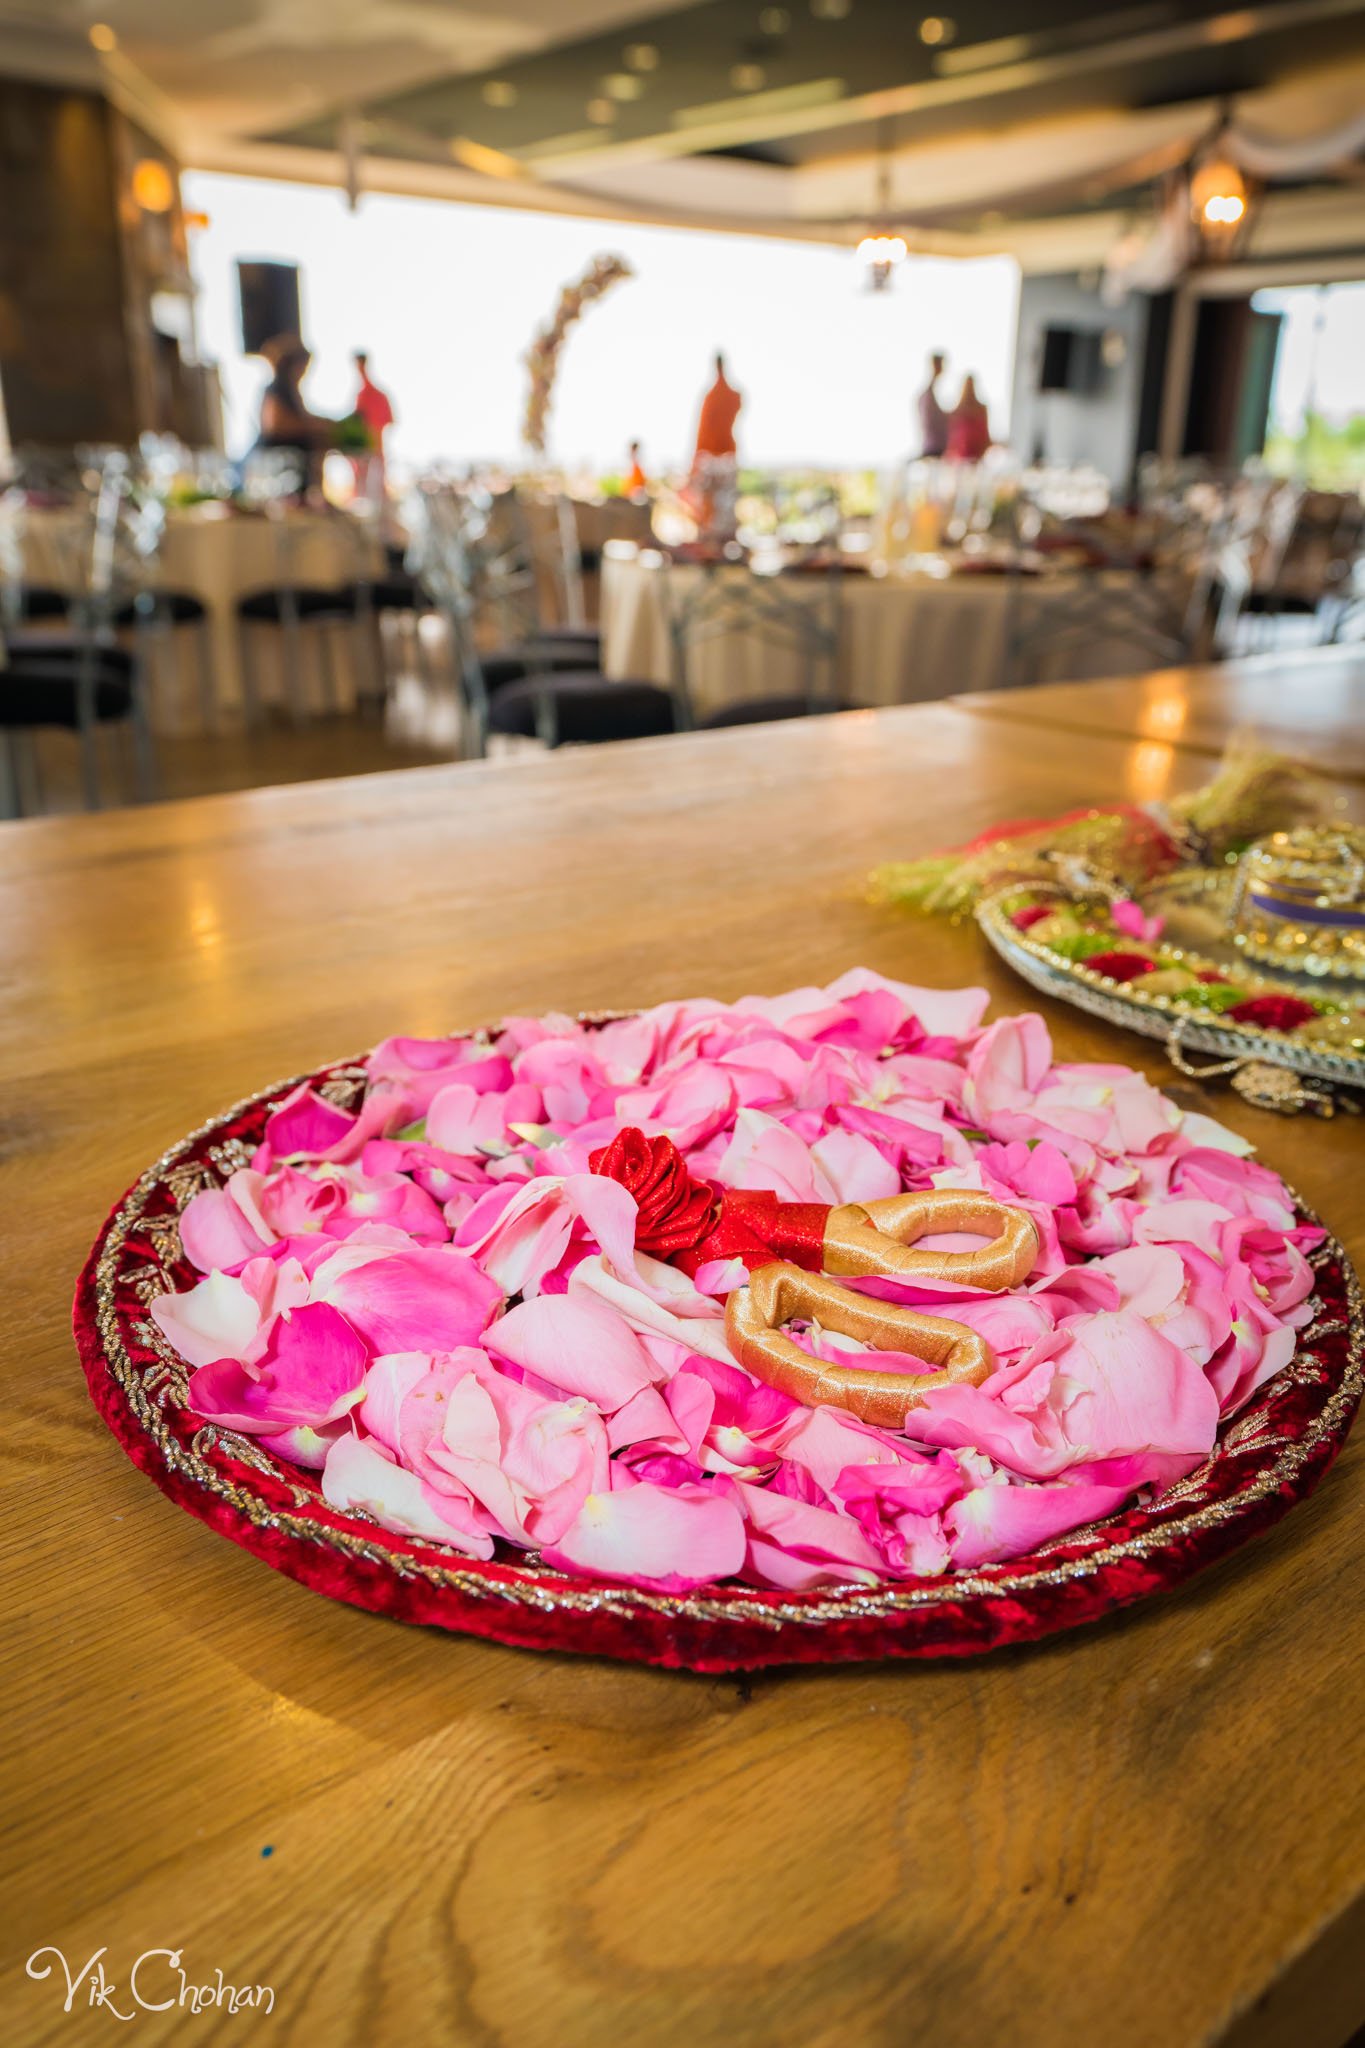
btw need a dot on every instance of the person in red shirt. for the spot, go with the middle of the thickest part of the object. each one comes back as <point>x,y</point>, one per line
<point>374,408</point>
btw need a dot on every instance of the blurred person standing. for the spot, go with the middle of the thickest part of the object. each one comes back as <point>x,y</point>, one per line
<point>374,407</point>
<point>969,427</point>
<point>710,488</point>
<point>719,410</point>
<point>636,483</point>
<point>933,420</point>
<point>286,422</point>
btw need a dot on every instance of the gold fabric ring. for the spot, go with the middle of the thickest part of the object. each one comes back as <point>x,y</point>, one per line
<point>876,1237</point>
<point>781,1293</point>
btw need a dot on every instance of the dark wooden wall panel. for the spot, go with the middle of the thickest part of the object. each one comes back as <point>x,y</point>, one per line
<point>64,366</point>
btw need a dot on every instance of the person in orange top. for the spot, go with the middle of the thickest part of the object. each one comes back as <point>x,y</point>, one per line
<point>715,452</point>
<point>636,483</point>
<point>719,411</point>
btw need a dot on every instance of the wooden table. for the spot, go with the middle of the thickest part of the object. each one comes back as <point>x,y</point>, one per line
<point>1309,705</point>
<point>1151,1832</point>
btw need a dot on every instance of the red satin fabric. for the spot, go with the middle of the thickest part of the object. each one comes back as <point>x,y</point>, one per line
<point>685,1221</point>
<point>754,1226</point>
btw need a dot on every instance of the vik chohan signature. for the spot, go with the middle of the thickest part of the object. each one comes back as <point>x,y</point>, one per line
<point>155,1983</point>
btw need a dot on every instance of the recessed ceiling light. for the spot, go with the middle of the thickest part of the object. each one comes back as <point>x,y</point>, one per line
<point>620,85</point>
<point>499,92</point>
<point>102,36</point>
<point>830,10</point>
<point>641,56</point>
<point>774,21</point>
<point>601,112</point>
<point>937,28</point>
<point>748,77</point>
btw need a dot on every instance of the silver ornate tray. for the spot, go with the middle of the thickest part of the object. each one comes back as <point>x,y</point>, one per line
<point>1176,1020</point>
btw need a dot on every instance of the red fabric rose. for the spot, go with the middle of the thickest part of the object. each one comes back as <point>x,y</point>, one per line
<point>1210,975</point>
<point>1031,914</point>
<point>1272,1013</point>
<point>676,1211</point>
<point>684,1220</point>
<point>1120,966</point>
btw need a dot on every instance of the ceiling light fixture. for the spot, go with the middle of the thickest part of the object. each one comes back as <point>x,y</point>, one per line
<point>748,77</point>
<point>102,37</point>
<point>621,85</point>
<point>882,249</point>
<point>601,112</point>
<point>641,56</point>
<point>1220,198</point>
<point>774,21</point>
<point>831,10</point>
<point>936,29</point>
<point>498,92</point>
<point>881,254</point>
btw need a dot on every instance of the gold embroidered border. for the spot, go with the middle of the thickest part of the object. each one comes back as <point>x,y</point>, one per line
<point>551,1592</point>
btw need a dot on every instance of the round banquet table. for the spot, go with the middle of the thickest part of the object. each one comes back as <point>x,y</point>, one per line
<point>904,638</point>
<point>219,555</point>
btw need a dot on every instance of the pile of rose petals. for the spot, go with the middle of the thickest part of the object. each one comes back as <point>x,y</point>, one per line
<point>432,1301</point>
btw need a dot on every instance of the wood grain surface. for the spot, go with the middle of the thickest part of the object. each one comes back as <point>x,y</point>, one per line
<point>1149,1832</point>
<point>1311,706</point>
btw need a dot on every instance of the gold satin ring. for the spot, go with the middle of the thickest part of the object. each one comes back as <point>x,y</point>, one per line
<point>875,1238</point>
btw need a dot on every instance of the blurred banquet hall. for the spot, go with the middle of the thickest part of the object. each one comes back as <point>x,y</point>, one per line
<point>1046,356</point>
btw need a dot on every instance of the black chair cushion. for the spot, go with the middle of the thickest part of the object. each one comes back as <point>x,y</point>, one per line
<point>504,665</point>
<point>568,636</point>
<point>37,602</point>
<point>311,601</point>
<point>762,711</point>
<point>63,651</point>
<point>398,594</point>
<point>34,695</point>
<point>587,708</point>
<point>1273,603</point>
<point>181,607</point>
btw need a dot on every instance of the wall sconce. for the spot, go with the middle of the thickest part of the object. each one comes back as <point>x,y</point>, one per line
<point>153,185</point>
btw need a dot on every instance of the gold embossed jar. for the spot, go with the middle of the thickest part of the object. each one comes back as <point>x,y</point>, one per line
<point>1299,901</point>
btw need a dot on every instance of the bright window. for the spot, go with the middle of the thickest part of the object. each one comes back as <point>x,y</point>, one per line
<point>1317,402</point>
<point>446,298</point>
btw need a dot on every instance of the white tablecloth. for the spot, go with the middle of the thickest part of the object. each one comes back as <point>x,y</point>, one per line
<point>220,557</point>
<point>904,639</point>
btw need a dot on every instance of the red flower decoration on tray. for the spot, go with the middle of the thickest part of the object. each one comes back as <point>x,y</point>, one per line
<point>1273,1012</point>
<point>1121,966</point>
<point>1032,914</point>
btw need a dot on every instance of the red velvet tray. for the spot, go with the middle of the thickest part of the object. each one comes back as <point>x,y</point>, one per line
<point>1268,1457</point>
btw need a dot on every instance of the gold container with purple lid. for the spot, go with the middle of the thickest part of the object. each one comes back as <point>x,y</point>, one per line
<point>1298,903</point>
